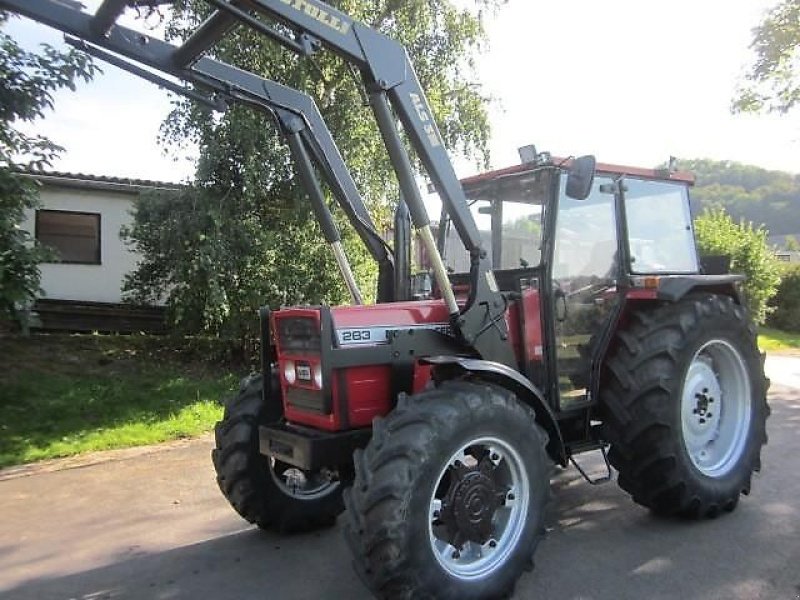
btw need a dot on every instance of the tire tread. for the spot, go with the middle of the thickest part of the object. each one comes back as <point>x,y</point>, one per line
<point>640,387</point>
<point>243,472</point>
<point>377,526</point>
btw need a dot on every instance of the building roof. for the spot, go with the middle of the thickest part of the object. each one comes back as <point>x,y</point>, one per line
<point>104,182</point>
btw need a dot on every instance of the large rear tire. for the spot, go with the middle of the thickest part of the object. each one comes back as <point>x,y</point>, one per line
<point>449,496</point>
<point>685,407</point>
<point>269,493</point>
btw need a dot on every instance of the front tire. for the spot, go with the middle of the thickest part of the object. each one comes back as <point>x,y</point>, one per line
<point>269,493</point>
<point>449,496</point>
<point>685,406</point>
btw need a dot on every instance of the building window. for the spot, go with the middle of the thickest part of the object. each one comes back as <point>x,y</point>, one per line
<point>75,236</point>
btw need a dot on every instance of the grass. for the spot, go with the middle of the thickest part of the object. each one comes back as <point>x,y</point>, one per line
<point>65,395</point>
<point>774,340</point>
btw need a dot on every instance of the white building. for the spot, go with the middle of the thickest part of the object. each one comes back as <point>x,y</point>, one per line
<point>80,217</point>
<point>790,256</point>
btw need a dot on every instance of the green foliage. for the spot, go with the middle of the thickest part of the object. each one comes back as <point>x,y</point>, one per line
<point>53,415</point>
<point>746,192</point>
<point>785,304</point>
<point>750,255</point>
<point>19,255</point>
<point>113,392</point>
<point>245,236</point>
<point>215,262</point>
<point>28,82</point>
<point>772,340</point>
<point>773,82</point>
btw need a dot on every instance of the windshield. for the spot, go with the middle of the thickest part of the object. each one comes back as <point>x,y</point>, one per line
<point>586,236</point>
<point>518,210</point>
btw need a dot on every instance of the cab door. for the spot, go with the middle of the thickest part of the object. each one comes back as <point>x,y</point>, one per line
<point>583,277</point>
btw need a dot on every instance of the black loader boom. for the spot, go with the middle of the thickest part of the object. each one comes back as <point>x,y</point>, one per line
<point>394,94</point>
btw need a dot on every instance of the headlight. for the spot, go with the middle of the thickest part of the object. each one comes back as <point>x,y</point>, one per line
<point>289,373</point>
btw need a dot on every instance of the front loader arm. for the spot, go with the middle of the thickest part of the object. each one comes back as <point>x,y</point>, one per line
<point>386,68</point>
<point>392,83</point>
<point>390,80</point>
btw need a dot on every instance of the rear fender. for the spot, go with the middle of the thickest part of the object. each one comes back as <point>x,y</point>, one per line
<point>513,381</point>
<point>673,289</point>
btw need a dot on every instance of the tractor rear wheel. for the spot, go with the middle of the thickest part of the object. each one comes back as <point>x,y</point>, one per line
<point>685,406</point>
<point>449,496</point>
<point>272,494</point>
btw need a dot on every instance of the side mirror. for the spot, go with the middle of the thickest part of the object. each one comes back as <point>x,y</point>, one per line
<point>421,286</point>
<point>580,177</point>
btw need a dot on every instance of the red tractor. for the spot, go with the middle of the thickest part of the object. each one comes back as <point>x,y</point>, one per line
<point>619,342</point>
<point>568,312</point>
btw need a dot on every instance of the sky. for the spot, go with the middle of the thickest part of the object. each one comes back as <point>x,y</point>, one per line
<point>630,81</point>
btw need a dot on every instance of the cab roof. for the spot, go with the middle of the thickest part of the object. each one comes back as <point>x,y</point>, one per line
<point>602,168</point>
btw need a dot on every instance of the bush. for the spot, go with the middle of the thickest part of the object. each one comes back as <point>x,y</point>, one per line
<point>785,305</point>
<point>750,255</point>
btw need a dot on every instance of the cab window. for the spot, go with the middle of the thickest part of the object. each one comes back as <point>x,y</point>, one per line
<point>518,207</point>
<point>660,237</point>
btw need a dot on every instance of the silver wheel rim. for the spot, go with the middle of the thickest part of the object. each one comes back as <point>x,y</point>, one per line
<point>478,560</point>
<point>715,408</point>
<point>300,484</point>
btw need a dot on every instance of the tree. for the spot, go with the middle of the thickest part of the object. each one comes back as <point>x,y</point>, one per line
<point>773,81</point>
<point>214,274</point>
<point>750,255</point>
<point>28,83</point>
<point>273,250</point>
<point>747,192</point>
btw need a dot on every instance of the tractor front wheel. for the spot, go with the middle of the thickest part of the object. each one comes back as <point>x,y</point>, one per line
<point>685,406</point>
<point>449,496</point>
<point>272,494</point>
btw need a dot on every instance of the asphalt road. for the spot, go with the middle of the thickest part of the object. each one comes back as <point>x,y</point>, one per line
<point>152,524</point>
<point>784,369</point>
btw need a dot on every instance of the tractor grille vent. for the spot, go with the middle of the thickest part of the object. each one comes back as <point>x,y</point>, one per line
<point>310,400</point>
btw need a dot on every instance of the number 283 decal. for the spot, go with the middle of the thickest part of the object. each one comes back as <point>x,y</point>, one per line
<point>380,335</point>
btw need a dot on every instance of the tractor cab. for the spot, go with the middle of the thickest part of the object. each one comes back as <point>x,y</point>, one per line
<point>584,241</point>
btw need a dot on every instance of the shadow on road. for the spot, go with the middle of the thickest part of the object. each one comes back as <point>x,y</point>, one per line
<point>242,565</point>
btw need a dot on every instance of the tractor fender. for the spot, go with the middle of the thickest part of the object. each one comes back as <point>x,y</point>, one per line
<point>519,385</point>
<point>674,288</point>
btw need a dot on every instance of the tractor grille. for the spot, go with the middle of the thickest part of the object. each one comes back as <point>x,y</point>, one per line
<point>309,400</point>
